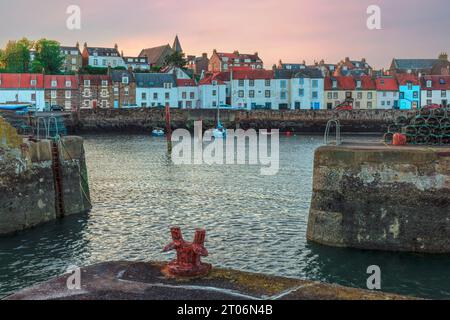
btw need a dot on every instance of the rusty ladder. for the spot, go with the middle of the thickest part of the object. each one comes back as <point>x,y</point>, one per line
<point>57,178</point>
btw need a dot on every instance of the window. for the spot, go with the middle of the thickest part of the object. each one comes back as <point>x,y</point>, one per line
<point>127,91</point>
<point>429,83</point>
<point>402,95</point>
<point>167,86</point>
<point>301,92</point>
<point>267,83</point>
<point>68,94</point>
<point>269,105</point>
<point>183,95</point>
<point>359,95</point>
<point>358,83</point>
<point>301,81</point>
<point>388,102</point>
<point>241,83</point>
<point>116,90</point>
<point>429,94</point>
<point>155,96</point>
<point>241,93</point>
<point>384,93</point>
<point>348,94</point>
<point>104,62</point>
<point>335,95</point>
<point>125,80</point>
<point>382,103</point>
<point>369,105</point>
<point>443,94</point>
<point>267,94</point>
<point>251,93</point>
<point>95,62</point>
<point>144,96</point>
<point>409,86</point>
<point>369,95</point>
<point>87,83</point>
<point>167,95</point>
<point>283,84</point>
<point>54,83</point>
<point>53,94</point>
<point>315,94</point>
<point>334,84</point>
<point>251,83</point>
<point>192,95</point>
<point>214,93</point>
<point>297,105</point>
<point>68,84</point>
<point>315,83</point>
<point>104,83</point>
<point>330,95</point>
<point>283,95</point>
<point>415,94</point>
<point>429,101</point>
<point>74,60</point>
<point>33,82</point>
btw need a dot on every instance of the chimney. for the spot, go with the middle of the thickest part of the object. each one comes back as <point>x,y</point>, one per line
<point>347,59</point>
<point>214,51</point>
<point>116,47</point>
<point>204,55</point>
<point>256,53</point>
<point>85,45</point>
<point>235,52</point>
<point>77,45</point>
<point>443,56</point>
<point>363,60</point>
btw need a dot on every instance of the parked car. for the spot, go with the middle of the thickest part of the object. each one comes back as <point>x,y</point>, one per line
<point>56,108</point>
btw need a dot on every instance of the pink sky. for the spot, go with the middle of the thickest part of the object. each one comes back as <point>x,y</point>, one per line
<point>291,30</point>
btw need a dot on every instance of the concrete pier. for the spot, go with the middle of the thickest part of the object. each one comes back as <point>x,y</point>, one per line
<point>27,183</point>
<point>144,281</point>
<point>383,198</point>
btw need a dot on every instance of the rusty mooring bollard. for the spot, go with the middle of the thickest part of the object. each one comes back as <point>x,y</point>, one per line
<point>188,262</point>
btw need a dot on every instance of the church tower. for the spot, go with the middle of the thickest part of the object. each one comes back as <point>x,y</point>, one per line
<point>177,45</point>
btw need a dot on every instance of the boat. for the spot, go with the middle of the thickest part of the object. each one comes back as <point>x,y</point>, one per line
<point>220,132</point>
<point>158,132</point>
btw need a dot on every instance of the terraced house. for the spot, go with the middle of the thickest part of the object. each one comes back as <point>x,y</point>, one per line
<point>435,90</point>
<point>409,91</point>
<point>307,89</point>
<point>387,92</point>
<point>156,90</point>
<point>27,88</point>
<point>102,57</point>
<point>62,90</point>
<point>365,94</point>
<point>96,91</point>
<point>339,90</point>
<point>222,61</point>
<point>252,89</point>
<point>73,60</point>
<point>188,95</point>
<point>124,88</point>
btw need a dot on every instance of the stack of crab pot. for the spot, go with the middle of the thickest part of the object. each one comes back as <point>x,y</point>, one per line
<point>425,127</point>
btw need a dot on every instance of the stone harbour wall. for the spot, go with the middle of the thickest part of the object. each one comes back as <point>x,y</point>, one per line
<point>381,198</point>
<point>27,186</point>
<point>144,120</point>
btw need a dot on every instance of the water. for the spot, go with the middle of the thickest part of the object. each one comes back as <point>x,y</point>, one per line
<point>254,223</point>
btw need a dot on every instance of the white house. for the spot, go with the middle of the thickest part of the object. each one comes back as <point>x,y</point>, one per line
<point>102,57</point>
<point>252,89</point>
<point>188,94</point>
<point>435,90</point>
<point>212,92</point>
<point>387,92</point>
<point>307,89</point>
<point>137,63</point>
<point>156,90</point>
<point>26,88</point>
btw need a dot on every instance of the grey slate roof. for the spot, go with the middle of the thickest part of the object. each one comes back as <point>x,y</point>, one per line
<point>103,52</point>
<point>117,75</point>
<point>154,80</point>
<point>414,64</point>
<point>284,73</point>
<point>309,73</point>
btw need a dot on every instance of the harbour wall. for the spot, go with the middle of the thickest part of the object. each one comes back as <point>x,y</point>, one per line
<point>27,183</point>
<point>381,198</point>
<point>144,120</point>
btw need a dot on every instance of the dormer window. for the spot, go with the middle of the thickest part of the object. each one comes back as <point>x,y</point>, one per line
<point>442,81</point>
<point>334,84</point>
<point>54,83</point>
<point>33,82</point>
<point>214,83</point>
<point>87,83</point>
<point>125,80</point>
<point>104,83</point>
<point>429,83</point>
<point>358,83</point>
<point>68,84</point>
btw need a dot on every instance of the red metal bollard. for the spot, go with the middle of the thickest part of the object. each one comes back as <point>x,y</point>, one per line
<point>188,262</point>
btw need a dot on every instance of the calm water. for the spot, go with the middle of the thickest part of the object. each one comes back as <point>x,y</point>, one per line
<point>254,223</point>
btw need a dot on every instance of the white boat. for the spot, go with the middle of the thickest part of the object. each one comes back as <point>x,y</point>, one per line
<point>158,133</point>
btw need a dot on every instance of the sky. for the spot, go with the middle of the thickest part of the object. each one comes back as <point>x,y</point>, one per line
<point>290,30</point>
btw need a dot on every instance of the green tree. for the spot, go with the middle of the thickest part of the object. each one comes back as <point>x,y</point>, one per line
<point>16,56</point>
<point>176,59</point>
<point>48,57</point>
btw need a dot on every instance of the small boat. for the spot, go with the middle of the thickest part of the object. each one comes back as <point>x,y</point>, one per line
<point>158,133</point>
<point>220,132</point>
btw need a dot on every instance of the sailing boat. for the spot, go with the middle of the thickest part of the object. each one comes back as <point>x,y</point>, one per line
<point>219,132</point>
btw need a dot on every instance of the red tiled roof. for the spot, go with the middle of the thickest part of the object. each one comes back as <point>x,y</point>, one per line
<point>437,82</point>
<point>185,83</point>
<point>404,78</point>
<point>21,80</point>
<point>252,74</point>
<point>367,83</point>
<point>386,84</point>
<point>213,77</point>
<point>60,82</point>
<point>343,83</point>
<point>96,79</point>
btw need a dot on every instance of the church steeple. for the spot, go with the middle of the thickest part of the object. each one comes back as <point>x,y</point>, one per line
<point>177,45</point>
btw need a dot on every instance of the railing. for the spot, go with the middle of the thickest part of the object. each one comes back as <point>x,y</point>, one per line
<point>330,124</point>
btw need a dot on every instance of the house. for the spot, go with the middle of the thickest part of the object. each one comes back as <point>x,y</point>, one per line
<point>198,64</point>
<point>365,94</point>
<point>307,89</point>
<point>439,66</point>
<point>349,65</point>
<point>73,60</point>
<point>157,55</point>
<point>180,73</point>
<point>291,66</point>
<point>339,90</point>
<point>156,90</point>
<point>435,90</point>
<point>137,63</point>
<point>62,90</point>
<point>409,91</point>
<point>220,61</point>
<point>124,88</point>
<point>252,88</point>
<point>212,91</point>
<point>102,57</point>
<point>96,91</point>
<point>24,88</point>
<point>387,92</point>
<point>188,95</point>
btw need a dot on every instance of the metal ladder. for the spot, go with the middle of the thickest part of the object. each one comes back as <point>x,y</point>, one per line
<point>57,178</point>
<point>47,126</point>
<point>330,124</point>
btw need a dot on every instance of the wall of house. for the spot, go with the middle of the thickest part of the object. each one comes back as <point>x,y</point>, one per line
<point>150,101</point>
<point>409,101</point>
<point>306,100</point>
<point>387,99</point>
<point>259,98</point>
<point>208,100</point>
<point>104,62</point>
<point>337,97</point>
<point>436,97</point>
<point>188,97</point>
<point>365,99</point>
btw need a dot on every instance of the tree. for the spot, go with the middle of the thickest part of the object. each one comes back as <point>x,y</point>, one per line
<point>16,56</point>
<point>176,59</point>
<point>48,57</point>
